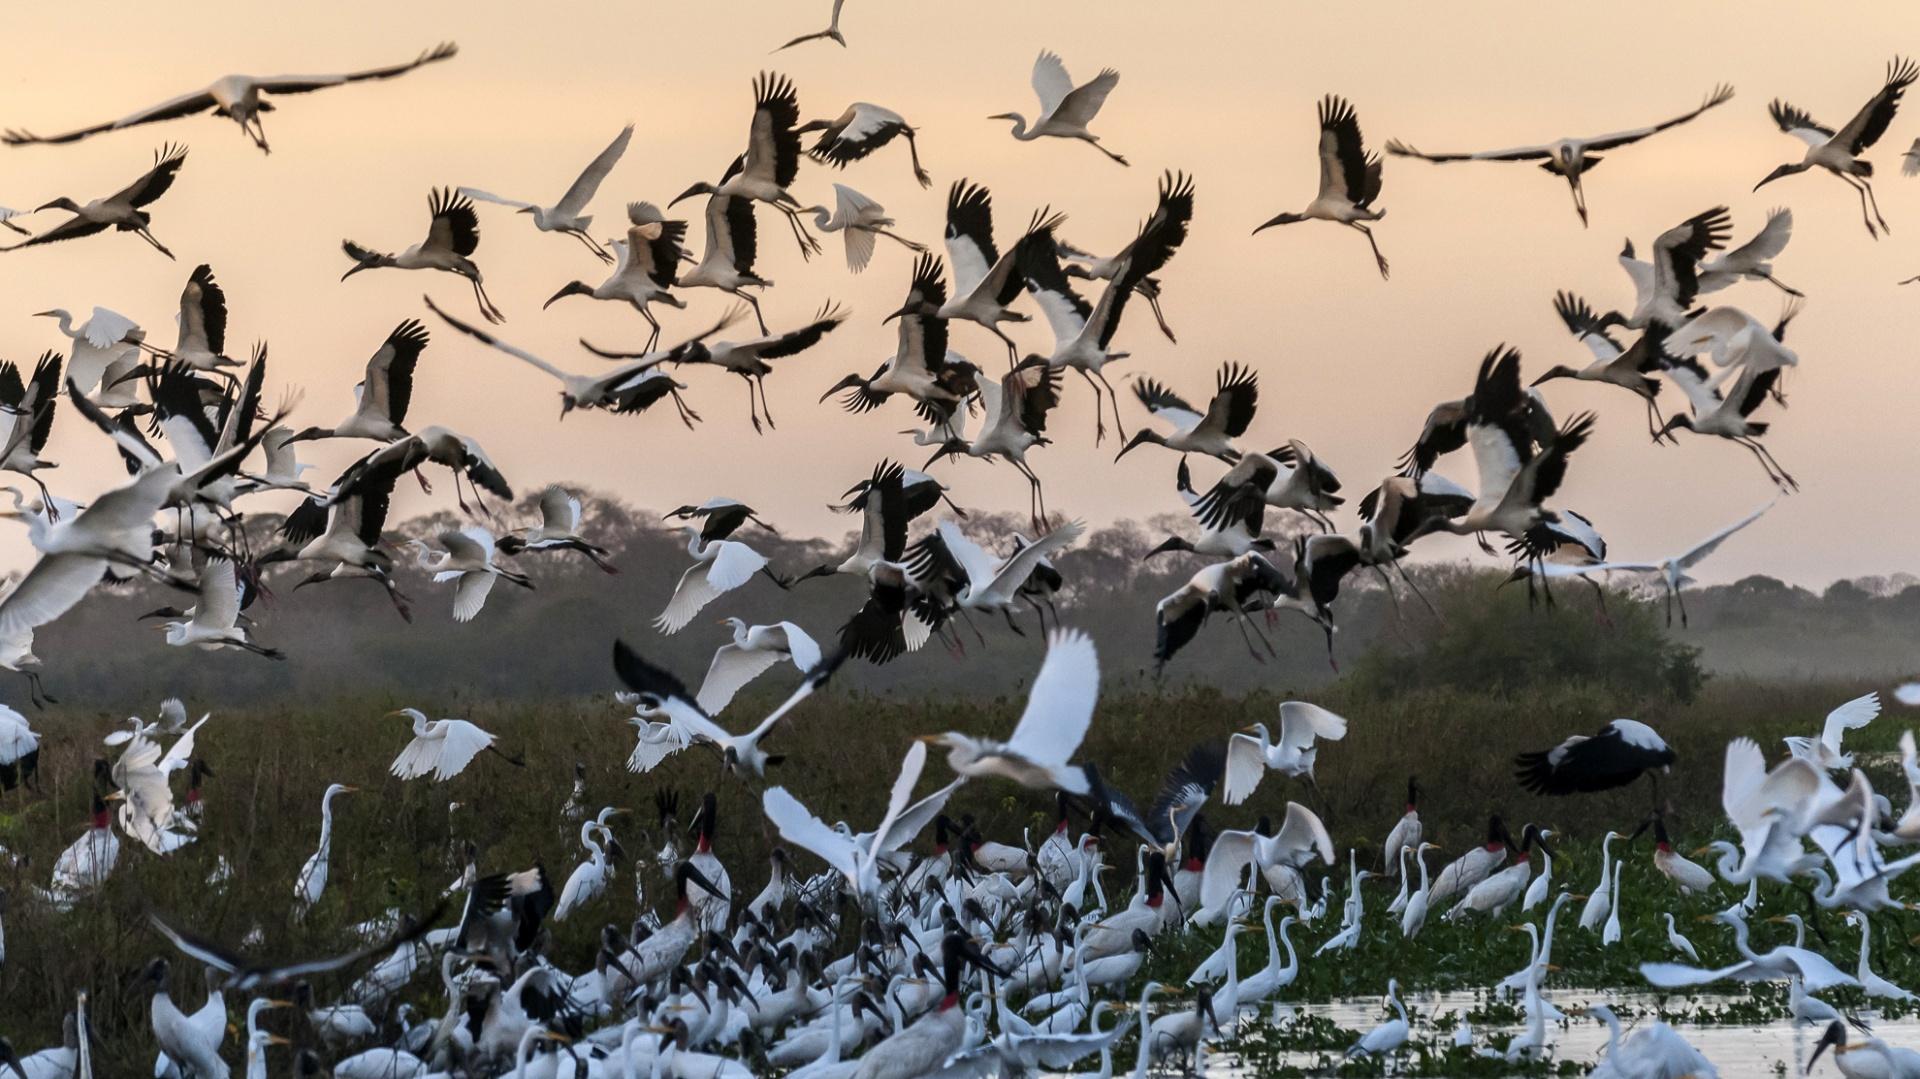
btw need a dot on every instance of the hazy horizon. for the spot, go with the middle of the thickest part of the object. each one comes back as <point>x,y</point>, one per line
<point>1349,363</point>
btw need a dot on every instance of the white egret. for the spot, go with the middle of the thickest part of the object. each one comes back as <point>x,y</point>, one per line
<point>312,881</point>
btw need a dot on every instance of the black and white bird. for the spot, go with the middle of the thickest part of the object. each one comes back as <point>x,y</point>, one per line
<point>1614,756</point>
<point>831,33</point>
<point>453,234</point>
<point>985,281</point>
<point>1728,415</point>
<point>859,131</point>
<point>1664,288</point>
<point>1672,571</point>
<point>238,98</point>
<point>123,211</point>
<point>1228,414</point>
<point>558,530</point>
<point>1349,178</point>
<point>732,244</point>
<point>1013,421</point>
<point>993,584</point>
<point>748,359</point>
<point>720,563</point>
<point>1839,152</point>
<point>1631,368</point>
<point>26,420</point>
<point>1571,157</point>
<point>647,262</point>
<point>438,445</point>
<point>384,392</point>
<point>568,215</point>
<point>884,516</point>
<point>1238,587</point>
<point>1231,521</point>
<point>1083,333</point>
<point>1065,109</point>
<point>664,695</point>
<point>767,171</point>
<point>921,367</point>
<point>1288,477</point>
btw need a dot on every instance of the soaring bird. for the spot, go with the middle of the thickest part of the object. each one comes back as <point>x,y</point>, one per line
<point>124,210</point>
<point>1571,157</point>
<point>648,259</point>
<point>765,173</point>
<point>858,132</point>
<point>1839,152</point>
<point>238,98</point>
<point>1349,178</point>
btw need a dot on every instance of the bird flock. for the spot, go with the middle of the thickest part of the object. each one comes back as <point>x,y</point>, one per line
<point>867,953</point>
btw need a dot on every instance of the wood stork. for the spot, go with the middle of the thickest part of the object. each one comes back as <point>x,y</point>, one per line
<point>1013,421</point>
<point>466,558</point>
<point>1571,157</point>
<point>1237,586</point>
<point>921,367</point>
<point>994,584</point>
<point>1728,415</point>
<point>567,216</point>
<point>26,422</point>
<point>1287,477</point>
<point>1824,751</point>
<point>1227,529</point>
<point>1664,288</point>
<point>443,747</point>
<point>1617,754</point>
<point>1065,109</point>
<point>858,132</point>
<point>1077,262</point>
<point>385,391</point>
<point>629,387</point>
<point>1672,571</point>
<point>1059,710</point>
<point>311,883</point>
<point>751,652</point>
<point>216,615</point>
<point>107,342</point>
<point>1631,368</point>
<point>732,244</point>
<point>720,563</point>
<point>1252,751</point>
<point>884,516</point>
<point>1083,333</point>
<point>558,530</point>
<point>453,234</point>
<point>648,260</point>
<point>191,1042</point>
<point>1752,260</point>
<point>238,98</point>
<point>1349,178</point>
<point>438,445</point>
<point>343,534</point>
<point>284,467</point>
<point>985,281</point>
<point>748,359</point>
<point>1867,1059</point>
<point>1839,152</point>
<point>123,211</point>
<point>766,172</point>
<point>858,219</point>
<point>831,33</point>
<point>1229,413</point>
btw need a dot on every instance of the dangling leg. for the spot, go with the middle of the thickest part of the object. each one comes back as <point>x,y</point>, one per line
<point>1150,290</point>
<point>754,302</point>
<point>1099,418</point>
<point>1378,259</point>
<point>1013,351</point>
<point>809,246</point>
<point>1767,454</point>
<point>913,151</point>
<point>1579,198</point>
<point>1867,186</point>
<point>1865,215</point>
<point>1781,285</point>
<point>1670,591</point>
<point>1654,421</point>
<point>687,415</point>
<point>753,408</point>
<point>593,246</point>
<point>1119,427</point>
<point>765,409</point>
<point>1011,624</point>
<point>1681,596</point>
<point>157,245</point>
<point>487,310</point>
<point>653,335</point>
<point>916,248</point>
<point>1402,570</point>
<point>1095,143</point>
<point>1242,621</point>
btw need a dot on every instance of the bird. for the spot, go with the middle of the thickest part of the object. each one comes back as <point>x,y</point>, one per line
<point>453,234</point>
<point>1013,421</point>
<point>1059,710</point>
<point>858,219</point>
<point>238,98</point>
<point>1655,1050</point>
<point>1776,964</point>
<point>1632,368</point>
<point>831,33</point>
<point>122,211</point>
<point>748,359</point>
<point>1614,756</point>
<point>765,173</point>
<point>1754,259</point>
<point>443,747</point>
<point>859,859</point>
<point>1824,751</point>
<point>986,281</point>
<point>1388,1037</point>
<point>994,584</point>
<point>1065,109</point>
<point>1672,571</point>
<point>720,563</point>
<point>648,260</point>
<point>1664,287</point>
<point>1871,1057</point>
<point>466,557</point>
<point>859,131</point>
<point>558,530</point>
<point>662,693</point>
<point>191,1043</point>
<point>751,652</point>
<point>1251,752</point>
<point>1572,157</point>
<point>19,751</point>
<point>216,615</point>
<point>312,881</point>
<point>1349,179</point>
<point>567,216</point>
<point>245,976</point>
<point>105,347</point>
<point>385,391</point>
<point>1839,152</point>
<point>1228,415</point>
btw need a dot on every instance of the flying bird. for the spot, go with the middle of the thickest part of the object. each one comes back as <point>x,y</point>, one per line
<point>123,211</point>
<point>452,236</point>
<point>1349,178</point>
<point>568,216</point>
<point>1065,109</point>
<point>1839,152</point>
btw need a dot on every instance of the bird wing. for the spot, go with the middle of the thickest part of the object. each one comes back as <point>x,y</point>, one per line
<point>732,668</point>
<point>1015,571</point>
<point>1517,153</point>
<point>1051,83</point>
<point>910,768</point>
<point>973,560</point>
<point>300,84</point>
<point>1711,331</point>
<point>184,105</point>
<point>1166,404</point>
<point>219,599</point>
<point>1712,543</point>
<point>800,827</point>
<point>734,566</point>
<point>470,594</point>
<point>1234,401</point>
<point>583,189</point>
<point>1798,123</point>
<point>154,182</point>
<point>1768,242</point>
<point>1343,153</point>
<point>1720,95</point>
<point>969,235</point>
<point>50,589</point>
<point>461,743</point>
<point>559,510</point>
<point>1060,704</point>
<point>1301,723</point>
<point>915,818</point>
<point>1303,833</point>
<point>488,339</point>
<point>801,648</point>
<point>468,544</point>
<point>199,948</point>
<point>1850,716</point>
<point>1083,104</point>
<point>1246,766</point>
<point>497,200</point>
<point>1871,121</point>
<point>1227,862</point>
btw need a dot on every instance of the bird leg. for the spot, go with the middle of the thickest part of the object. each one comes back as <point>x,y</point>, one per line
<point>1095,143</point>
<point>1781,285</point>
<point>1149,289</point>
<point>784,584</point>
<point>1013,351</point>
<point>487,310</point>
<point>1244,636</point>
<point>1378,259</point>
<point>1867,186</point>
<point>1670,592</point>
<point>37,692</point>
<point>1600,597</point>
<point>1767,454</point>
<point>913,152</point>
<point>1039,495</point>
<point>753,407</point>
<point>592,245</point>
<point>809,246</point>
<point>917,248</point>
<point>1865,217</point>
<point>148,236</point>
<point>687,415</point>
<point>1655,422</point>
<point>1119,427</point>
<point>968,619</point>
<point>1579,197</point>
<point>258,133</point>
<point>653,337</point>
<point>1402,570</point>
<point>754,302</point>
<point>1099,418</point>
<point>765,409</point>
<point>1011,624</point>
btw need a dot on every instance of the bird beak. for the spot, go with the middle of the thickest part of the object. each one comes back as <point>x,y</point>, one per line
<point>357,267</point>
<point>1001,116</point>
<point>687,194</point>
<point>43,314</point>
<point>905,309</point>
<point>1277,219</point>
<point>275,1039</point>
<point>114,796</point>
<point>349,790</point>
<point>46,206</point>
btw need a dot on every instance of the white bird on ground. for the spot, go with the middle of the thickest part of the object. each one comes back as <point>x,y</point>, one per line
<point>568,214</point>
<point>453,235</point>
<point>19,750</point>
<point>443,747</point>
<point>1387,1038</point>
<point>192,1042</point>
<point>312,881</point>
<point>1571,157</point>
<point>1824,751</point>
<point>1610,935</point>
<point>1407,831</point>
<point>858,219</point>
<point>1059,710</point>
<point>1653,1051</point>
<point>1251,752</point>
<point>466,558</point>
<point>1600,901</point>
<point>1543,884</point>
<point>590,878</point>
<point>1065,109</point>
<point>87,861</point>
<point>1349,178</point>
<point>1839,151</point>
<point>1672,571</point>
<point>753,650</point>
<point>1678,940</point>
<point>238,98</point>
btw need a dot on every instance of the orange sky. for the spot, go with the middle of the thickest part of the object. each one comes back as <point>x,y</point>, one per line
<point>1349,363</point>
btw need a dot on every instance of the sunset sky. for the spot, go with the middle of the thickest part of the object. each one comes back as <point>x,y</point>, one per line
<point>1349,363</point>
